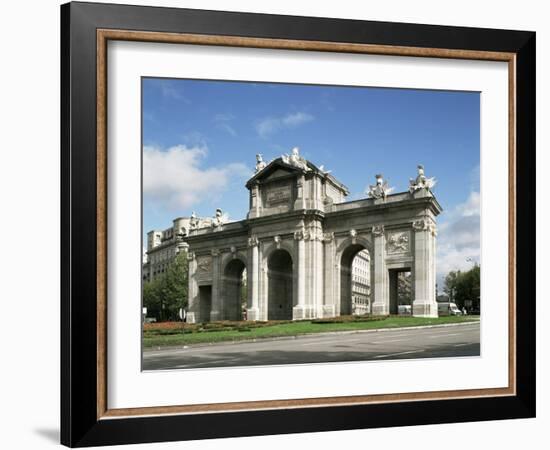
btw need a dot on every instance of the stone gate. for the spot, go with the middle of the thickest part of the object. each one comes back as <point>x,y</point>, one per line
<point>298,243</point>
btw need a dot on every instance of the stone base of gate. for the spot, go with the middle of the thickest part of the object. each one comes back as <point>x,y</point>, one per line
<point>215,315</point>
<point>302,312</point>
<point>252,314</point>
<point>329,311</point>
<point>422,308</point>
<point>380,309</point>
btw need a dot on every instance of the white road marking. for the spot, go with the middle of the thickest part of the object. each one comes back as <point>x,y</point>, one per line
<point>462,345</point>
<point>398,354</point>
<point>312,343</point>
<point>434,336</point>
<point>388,340</point>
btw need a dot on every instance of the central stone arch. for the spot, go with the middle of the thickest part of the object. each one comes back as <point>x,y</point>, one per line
<point>280,285</point>
<point>232,289</point>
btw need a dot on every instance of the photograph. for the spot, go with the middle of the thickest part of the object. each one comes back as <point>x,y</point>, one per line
<point>276,223</point>
<point>288,224</point>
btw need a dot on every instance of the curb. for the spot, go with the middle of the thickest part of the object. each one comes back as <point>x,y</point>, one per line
<point>321,334</point>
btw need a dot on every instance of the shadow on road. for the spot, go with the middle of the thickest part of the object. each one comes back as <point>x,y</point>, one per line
<point>278,357</point>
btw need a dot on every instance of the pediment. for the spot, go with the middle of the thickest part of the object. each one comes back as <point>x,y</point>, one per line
<point>274,170</point>
<point>277,173</point>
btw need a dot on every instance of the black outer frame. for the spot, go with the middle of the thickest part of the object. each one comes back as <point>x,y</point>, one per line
<point>79,424</point>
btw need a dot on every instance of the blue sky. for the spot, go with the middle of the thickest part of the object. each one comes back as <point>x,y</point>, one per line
<point>200,140</point>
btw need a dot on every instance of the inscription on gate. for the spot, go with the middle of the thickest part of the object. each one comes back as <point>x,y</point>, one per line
<point>278,195</point>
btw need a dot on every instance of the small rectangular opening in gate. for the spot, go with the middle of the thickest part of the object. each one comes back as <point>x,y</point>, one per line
<point>401,291</point>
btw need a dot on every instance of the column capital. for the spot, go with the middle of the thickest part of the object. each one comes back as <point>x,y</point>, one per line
<point>425,225</point>
<point>328,237</point>
<point>253,241</point>
<point>378,230</point>
<point>419,225</point>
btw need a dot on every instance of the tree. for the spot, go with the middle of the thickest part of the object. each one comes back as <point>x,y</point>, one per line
<point>404,288</point>
<point>167,293</point>
<point>463,286</point>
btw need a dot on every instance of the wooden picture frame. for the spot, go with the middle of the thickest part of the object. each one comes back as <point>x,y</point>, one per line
<point>85,416</point>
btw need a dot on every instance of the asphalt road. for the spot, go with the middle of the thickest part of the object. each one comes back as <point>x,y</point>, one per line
<point>438,342</point>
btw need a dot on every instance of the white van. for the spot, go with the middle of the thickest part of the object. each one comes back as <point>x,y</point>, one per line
<point>448,309</point>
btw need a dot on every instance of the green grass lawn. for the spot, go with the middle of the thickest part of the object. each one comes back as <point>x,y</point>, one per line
<point>179,337</point>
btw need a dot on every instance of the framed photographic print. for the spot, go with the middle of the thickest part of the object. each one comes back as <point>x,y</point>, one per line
<point>277,224</point>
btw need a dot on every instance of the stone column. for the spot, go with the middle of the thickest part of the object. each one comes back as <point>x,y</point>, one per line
<point>192,290</point>
<point>216,312</point>
<point>381,304</point>
<point>424,304</point>
<point>253,280</point>
<point>299,311</point>
<point>317,300</point>
<point>330,270</point>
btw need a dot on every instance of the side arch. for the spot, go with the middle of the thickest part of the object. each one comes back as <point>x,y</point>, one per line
<point>361,240</point>
<point>233,286</point>
<point>283,245</point>
<point>352,290</point>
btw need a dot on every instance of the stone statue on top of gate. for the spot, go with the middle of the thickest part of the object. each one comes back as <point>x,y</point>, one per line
<point>381,189</point>
<point>421,181</point>
<point>294,159</point>
<point>260,163</point>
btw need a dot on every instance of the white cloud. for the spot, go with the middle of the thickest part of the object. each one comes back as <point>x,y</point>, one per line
<point>222,122</point>
<point>270,125</point>
<point>174,178</point>
<point>169,90</point>
<point>459,238</point>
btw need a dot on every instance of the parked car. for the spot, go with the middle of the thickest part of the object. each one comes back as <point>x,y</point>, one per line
<point>404,310</point>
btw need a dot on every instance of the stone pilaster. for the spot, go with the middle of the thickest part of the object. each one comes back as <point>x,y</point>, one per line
<point>253,311</point>
<point>255,202</point>
<point>424,304</point>
<point>300,193</point>
<point>301,310</point>
<point>381,304</point>
<point>217,307</point>
<point>318,280</point>
<point>192,290</point>
<point>330,274</point>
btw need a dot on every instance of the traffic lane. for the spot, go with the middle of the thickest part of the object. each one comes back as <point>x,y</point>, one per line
<point>460,340</point>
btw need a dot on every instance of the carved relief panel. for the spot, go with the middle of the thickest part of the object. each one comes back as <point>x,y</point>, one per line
<point>204,265</point>
<point>398,242</point>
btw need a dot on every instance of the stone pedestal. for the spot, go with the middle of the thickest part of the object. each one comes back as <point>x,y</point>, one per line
<point>302,312</point>
<point>380,309</point>
<point>329,311</point>
<point>215,315</point>
<point>190,318</point>
<point>424,308</point>
<point>253,314</point>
